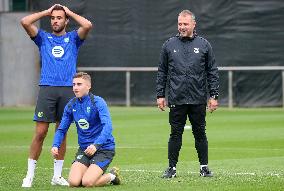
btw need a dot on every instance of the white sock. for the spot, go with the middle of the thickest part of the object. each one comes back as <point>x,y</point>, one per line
<point>112,177</point>
<point>31,168</point>
<point>202,166</point>
<point>58,164</point>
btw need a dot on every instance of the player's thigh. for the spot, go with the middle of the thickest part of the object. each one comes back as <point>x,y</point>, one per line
<point>76,173</point>
<point>65,95</point>
<point>45,110</point>
<point>93,173</point>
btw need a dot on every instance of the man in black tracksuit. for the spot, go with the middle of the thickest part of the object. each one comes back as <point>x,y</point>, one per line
<point>187,66</point>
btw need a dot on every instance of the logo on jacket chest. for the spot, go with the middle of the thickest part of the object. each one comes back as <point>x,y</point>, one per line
<point>196,50</point>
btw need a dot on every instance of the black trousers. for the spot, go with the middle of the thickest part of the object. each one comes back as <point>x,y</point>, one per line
<point>177,118</point>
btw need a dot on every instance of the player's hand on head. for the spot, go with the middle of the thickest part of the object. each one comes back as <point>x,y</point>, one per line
<point>50,9</point>
<point>91,149</point>
<point>54,151</point>
<point>67,10</point>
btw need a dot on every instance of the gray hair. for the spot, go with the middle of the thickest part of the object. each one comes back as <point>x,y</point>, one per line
<point>187,12</point>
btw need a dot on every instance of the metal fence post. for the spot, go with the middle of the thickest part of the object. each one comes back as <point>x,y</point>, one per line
<point>127,89</point>
<point>283,88</point>
<point>230,88</point>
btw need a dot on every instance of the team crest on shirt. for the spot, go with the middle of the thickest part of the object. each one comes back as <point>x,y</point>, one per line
<point>57,51</point>
<point>66,39</point>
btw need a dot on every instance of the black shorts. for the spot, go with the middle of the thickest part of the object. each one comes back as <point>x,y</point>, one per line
<point>51,102</point>
<point>102,158</point>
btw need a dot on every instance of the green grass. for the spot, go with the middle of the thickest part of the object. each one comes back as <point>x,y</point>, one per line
<point>246,150</point>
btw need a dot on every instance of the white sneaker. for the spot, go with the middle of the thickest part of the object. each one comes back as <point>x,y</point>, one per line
<point>27,182</point>
<point>59,181</point>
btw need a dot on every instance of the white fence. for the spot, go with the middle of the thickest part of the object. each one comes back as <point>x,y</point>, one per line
<point>230,70</point>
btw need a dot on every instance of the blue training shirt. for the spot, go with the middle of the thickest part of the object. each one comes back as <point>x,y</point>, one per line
<point>58,56</point>
<point>92,120</point>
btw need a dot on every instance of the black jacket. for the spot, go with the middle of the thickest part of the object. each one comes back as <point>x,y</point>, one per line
<point>187,66</point>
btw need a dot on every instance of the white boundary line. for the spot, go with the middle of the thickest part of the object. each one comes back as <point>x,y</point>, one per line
<point>142,147</point>
<point>188,172</point>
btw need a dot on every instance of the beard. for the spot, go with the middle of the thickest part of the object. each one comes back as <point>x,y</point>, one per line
<point>58,29</point>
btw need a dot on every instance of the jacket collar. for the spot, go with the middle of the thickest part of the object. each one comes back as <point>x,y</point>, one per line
<point>84,98</point>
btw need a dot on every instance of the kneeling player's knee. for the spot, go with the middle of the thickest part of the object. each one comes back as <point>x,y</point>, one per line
<point>86,182</point>
<point>74,182</point>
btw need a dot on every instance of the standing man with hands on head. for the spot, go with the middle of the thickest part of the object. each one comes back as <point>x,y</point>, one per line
<point>58,54</point>
<point>187,65</point>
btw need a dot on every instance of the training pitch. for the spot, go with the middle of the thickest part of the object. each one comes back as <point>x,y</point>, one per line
<point>246,150</point>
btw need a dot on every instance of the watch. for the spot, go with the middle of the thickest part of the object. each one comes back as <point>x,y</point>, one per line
<point>214,97</point>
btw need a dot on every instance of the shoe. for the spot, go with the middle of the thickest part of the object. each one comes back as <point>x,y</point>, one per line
<point>115,171</point>
<point>170,172</point>
<point>27,182</point>
<point>205,172</point>
<point>59,181</point>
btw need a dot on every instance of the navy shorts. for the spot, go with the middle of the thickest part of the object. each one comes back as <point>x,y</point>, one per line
<point>51,102</point>
<point>102,158</point>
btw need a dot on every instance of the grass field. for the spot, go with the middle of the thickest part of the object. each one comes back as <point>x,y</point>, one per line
<point>246,151</point>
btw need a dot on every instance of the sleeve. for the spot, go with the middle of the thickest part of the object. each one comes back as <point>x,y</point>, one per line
<point>105,118</point>
<point>38,38</point>
<point>77,39</point>
<point>65,123</point>
<point>212,73</point>
<point>162,73</point>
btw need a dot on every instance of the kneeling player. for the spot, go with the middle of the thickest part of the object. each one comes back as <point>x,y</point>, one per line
<point>94,128</point>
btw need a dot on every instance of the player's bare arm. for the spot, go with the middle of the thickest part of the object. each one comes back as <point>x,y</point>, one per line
<point>85,24</point>
<point>28,21</point>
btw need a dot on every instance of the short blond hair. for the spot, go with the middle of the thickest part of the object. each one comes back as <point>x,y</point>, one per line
<point>83,75</point>
<point>187,12</point>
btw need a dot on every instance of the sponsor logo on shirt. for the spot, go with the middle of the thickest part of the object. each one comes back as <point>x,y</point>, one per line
<point>57,51</point>
<point>83,124</point>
